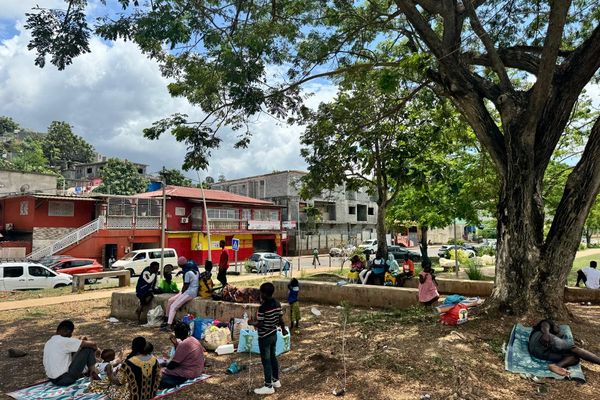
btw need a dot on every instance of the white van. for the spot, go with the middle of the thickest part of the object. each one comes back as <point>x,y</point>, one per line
<point>26,275</point>
<point>369,246</point>
<point>137,260</point>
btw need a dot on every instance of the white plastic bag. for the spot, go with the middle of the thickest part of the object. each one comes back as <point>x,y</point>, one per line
<point>215,337</point>
<point>155,316</point>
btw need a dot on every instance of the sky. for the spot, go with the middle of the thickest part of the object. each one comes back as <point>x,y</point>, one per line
<point>111,94</point>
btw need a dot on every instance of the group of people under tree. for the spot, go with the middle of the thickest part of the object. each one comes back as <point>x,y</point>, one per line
<point>380,270</point>
<point>195,283</point>
<point>139,375</point>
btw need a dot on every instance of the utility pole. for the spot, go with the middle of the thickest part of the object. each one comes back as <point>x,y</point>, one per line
<point>298,231</point>
<point>163,183</point>
<point>455,251</point>
<point>207,223</point>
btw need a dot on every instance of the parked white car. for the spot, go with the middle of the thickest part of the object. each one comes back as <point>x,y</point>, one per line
<point>369,246</point>
<point>137,260</point>
<point>26,275</point>
<point>342,251</point>
<point>268,262</point>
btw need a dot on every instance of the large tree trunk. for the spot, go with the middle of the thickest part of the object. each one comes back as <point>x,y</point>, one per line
<point>424,242</point>
<point>381,239</point>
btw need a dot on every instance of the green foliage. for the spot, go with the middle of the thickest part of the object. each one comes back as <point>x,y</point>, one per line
<point>248,265</point>
<point>63,148</point>
<point>7,125</point>
<point>174,177</point>
<point>458,242</point>
<point>121,177</point>
<point>463,257</point>
<point>486,251</point>
<point>30,157</point>
<point>473,271</point>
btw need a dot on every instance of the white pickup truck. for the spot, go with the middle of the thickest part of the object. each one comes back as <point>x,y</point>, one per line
<point>26,275</point>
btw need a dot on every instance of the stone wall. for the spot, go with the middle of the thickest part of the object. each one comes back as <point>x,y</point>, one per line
<point>43,237</point>
<point>123,306</point>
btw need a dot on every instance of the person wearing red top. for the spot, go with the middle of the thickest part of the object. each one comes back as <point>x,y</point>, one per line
<point>223,264</point>
<point>408,266</point>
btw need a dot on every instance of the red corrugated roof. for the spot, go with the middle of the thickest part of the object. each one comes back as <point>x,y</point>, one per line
<point>211,195</point>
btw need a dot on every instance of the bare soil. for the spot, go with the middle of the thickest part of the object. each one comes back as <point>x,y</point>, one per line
<point>395,355</point>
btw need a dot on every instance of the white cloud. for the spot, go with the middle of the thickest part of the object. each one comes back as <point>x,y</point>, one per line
<point>16,9</point>
<point>112,93</point>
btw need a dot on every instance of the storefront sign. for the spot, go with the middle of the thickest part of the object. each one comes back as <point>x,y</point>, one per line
<point>288,224</point>
<point>255,225</point>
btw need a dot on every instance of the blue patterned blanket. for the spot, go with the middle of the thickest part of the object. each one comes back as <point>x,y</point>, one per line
<point>519,361</point>
<point>78,391</point>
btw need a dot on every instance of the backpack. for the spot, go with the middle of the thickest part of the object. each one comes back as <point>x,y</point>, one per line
<point>457,315</point>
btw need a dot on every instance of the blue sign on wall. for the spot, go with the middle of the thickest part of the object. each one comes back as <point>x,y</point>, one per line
<point>235,244</point>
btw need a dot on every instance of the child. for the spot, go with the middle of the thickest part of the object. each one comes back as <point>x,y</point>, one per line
<point>294,291</point>
<point>268,318</point>
<point>428,293</point>
<point>149,349</point>
<point>205,281</point>
<point>105,368</point>
<point>167,285</point>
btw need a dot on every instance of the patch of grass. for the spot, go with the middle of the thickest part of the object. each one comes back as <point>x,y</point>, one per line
<point>580,262</point>
<point>35,313</point>
<point>474,271</point>
<point>496,346</point>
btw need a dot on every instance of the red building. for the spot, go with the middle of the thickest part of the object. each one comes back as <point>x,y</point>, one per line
<point>102,226</point>
<point>256,223</point>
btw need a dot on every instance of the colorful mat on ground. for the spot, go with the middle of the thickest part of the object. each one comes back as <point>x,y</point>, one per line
<point>519,361</point>
<point>77,391</point>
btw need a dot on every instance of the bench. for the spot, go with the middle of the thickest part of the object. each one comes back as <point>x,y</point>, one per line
<point>79,280</point>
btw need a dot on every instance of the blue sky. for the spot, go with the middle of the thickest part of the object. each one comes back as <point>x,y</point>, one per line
<point>114,92</point>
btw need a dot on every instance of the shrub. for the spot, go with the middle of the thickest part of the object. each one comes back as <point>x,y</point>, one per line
<point>463,257</point>
<point>458,242</point>
<point>248,265</point>
<point>486,251</point>
<point>582,246</point>
<point>474,271</point>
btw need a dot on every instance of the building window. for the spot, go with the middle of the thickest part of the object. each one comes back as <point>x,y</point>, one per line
<point>24,208</point>
<point>149,207</point>
<point>197,217</point>
<point>140,171</point>
<point>352,210</point>
<point>371,211</point>
<point>121,207</point>
<point>266,215</point>
<point>180,211</point>
<point>361,212</point>
<point>89,170</point>
<point>246,215</point>
<point>223,213</point>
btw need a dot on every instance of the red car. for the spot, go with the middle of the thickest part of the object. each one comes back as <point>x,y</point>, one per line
<point>74,266</point>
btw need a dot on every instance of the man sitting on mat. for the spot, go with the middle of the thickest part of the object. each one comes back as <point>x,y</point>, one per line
<point>590,276</point>
<point>546,343</point>
<point>65,357</point>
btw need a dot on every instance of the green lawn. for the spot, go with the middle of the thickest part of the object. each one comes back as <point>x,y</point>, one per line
<point>581,262</point>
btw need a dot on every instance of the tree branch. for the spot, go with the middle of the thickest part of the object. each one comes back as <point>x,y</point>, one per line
<point>495,60</point>
<point>580,191</point>
<point>541,88</point>
<point>510,58</point>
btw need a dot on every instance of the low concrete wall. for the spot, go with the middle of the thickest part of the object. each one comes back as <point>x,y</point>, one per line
<point>463,287</point>
<point>357,295</point>
<point>123,306</point>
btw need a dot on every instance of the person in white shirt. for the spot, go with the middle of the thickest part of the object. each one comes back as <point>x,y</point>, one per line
<point>590,276</point>
<point>189,291</point>
<point>65,357</point>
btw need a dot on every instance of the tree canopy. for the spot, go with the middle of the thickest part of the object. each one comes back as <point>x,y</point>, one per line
<point>121,177</point>
<point>63,148</point>
<point>513,68</point>
<point>174,177</point>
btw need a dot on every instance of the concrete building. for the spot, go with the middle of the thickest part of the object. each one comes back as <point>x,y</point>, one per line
<point>87,174</point>
<point>346,216</point>
<point>14,182</point>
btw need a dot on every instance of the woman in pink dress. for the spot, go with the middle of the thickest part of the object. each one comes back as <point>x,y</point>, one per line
<point>428,293</point>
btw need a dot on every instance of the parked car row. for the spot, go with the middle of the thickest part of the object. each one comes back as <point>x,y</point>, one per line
<point>26,275</point>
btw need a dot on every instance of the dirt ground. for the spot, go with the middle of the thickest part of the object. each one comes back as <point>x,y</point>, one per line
<point>396,355</point>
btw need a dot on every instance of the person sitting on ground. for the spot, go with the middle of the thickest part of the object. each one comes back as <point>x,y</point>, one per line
<point>167,284</point>
<point>140,371</point>
<point>107,371</point>
<point>65,357</point>
<point>205,282</point>
<point>145,289</point>
<point>590,276</point>
<point>428,293</point>
<point>546,342</point>
<point>189,291</point>
<point>188,361</point>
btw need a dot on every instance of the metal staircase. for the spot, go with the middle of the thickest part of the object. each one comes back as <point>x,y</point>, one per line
<point>68,240</point>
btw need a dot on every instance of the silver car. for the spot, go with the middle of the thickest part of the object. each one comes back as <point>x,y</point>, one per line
<point>267,262</point>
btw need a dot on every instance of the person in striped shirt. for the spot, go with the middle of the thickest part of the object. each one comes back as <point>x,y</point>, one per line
<point>268,318</point>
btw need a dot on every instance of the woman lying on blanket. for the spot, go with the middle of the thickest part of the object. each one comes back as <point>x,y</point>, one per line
<point>137,378</point>
<point>546,343</point>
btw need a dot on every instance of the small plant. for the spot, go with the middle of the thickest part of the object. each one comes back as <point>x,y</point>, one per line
<point>463,257</point>
<point>486,251</point>
<point>458,242</point>
<point>248,265</point>
<point>582,246</point>
<point>474,271</point>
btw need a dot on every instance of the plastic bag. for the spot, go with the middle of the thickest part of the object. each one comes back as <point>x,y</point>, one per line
<point>249,342</point>
<point>215,337</point>
<point>155,316</point>
<point>200,325</point>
